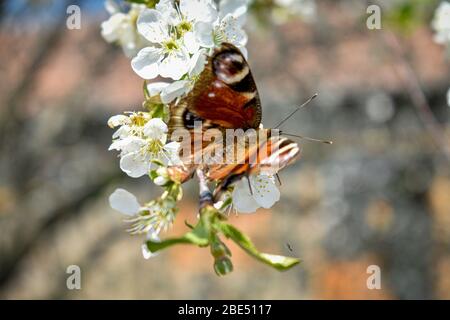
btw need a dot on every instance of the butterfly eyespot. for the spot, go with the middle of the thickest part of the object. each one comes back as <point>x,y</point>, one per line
<point>230,67</point>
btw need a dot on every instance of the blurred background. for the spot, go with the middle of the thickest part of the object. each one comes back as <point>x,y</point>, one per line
<point>380,195</point>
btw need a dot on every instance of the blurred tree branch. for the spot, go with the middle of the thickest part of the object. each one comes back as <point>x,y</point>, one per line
<point>418,98</point>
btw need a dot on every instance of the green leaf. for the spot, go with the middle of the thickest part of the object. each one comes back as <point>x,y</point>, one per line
<point>280,263</point>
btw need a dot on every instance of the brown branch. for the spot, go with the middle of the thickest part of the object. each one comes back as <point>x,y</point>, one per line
<point>418,98</point>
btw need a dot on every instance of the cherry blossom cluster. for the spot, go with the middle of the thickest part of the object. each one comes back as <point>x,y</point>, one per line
<point>175,40</point>
<point>168,42</point>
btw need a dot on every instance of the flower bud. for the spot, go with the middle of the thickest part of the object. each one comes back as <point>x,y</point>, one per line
<point>218,249</point>
<point>222,266</point>
<point>162,171</point>
<point>160,180</point>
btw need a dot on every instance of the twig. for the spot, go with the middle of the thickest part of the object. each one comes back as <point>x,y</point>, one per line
<point>418,98</point>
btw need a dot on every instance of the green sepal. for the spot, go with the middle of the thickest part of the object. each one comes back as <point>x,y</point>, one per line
<point>223,266</point>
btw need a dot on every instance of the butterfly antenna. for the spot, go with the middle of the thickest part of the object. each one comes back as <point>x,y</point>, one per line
<point>293,112</point>
<point>278,178</point>
<point>307,138</point>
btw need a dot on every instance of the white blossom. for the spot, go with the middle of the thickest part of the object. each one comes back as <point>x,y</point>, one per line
<point>140,144</point>
<point>121,28</point>
<point>441,23</point>
<point>168,57</point>
<point>224,29</point>
<point>170,29</point>
<point>171,91</point>
<point>124,202</point>
<point>118,120</point>
<point>237,8</point>
<point>264,193</point>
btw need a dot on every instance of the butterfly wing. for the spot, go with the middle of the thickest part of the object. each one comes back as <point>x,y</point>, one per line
<point>266,157</point>
<point>224,95</point>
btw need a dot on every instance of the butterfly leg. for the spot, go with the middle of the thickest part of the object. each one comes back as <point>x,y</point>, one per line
<point>249,184</point>
<point>206,197</point>
<point>278,178</point>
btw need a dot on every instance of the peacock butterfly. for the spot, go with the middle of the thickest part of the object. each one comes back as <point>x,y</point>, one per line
<point>225,97</point>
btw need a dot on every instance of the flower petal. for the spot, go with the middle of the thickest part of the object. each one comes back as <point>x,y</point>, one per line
<point>122,132</point>
<point>128,39</point>
<point>152,25</point>
<point>232,31</point>
<point>237,8</point>
<point>243,200</point>
<point>265,192</point>
<point>190,42</point>
<point>111,28</point>
<point>175,65</point>
<point>118,120</point>
<point>174,90</point>
<point>171,151</point>
<point>198,10</point>
<point>197,63</point>
<point>169,13</point>
<point>155,129</point>
<point>134,164</point>
<point>127,144</point>
<point>204,34</point>
<point>145,64</point>
<point>155,88</point>
<point>124,201</point>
